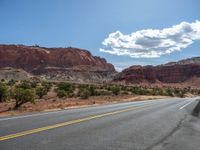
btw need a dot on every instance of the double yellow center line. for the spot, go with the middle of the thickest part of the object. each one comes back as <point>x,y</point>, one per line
<point>27,132</point>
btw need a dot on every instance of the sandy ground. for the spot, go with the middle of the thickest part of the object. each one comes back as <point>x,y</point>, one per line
<point>50,104</point>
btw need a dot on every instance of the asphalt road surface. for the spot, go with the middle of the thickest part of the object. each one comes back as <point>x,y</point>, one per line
<point>125,126</point>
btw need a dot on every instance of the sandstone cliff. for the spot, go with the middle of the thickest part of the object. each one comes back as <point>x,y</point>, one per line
<point>56,63</point>
<point>170,73</point>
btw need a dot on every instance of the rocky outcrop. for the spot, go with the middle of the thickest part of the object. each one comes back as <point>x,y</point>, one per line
<point>12,73</point>
<point>70,63</point>
<point>176,72</point>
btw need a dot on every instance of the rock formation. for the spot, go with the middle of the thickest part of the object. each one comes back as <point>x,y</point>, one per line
<point>56,63</point>
<point>170,73</point>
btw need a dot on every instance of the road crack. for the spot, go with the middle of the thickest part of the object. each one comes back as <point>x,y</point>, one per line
<point>168,135</point>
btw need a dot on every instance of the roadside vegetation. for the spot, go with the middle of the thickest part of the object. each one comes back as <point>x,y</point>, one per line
<point>28,91</point>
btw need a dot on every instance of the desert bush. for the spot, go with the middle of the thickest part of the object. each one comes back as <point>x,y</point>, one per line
<point>4,92</point>
<point>24,85</point>
<point>161,92</point>
<point>11,82</point>
<point>103,92</point>
<point>61,93</point>
<point>70,94</point>
<point>92,90</point>
<point>115,90</point>
<point>85,94</point>
<point>138,90</point>
<point>67,87</point>
<point>23,96</point>
<point>46,85</point>
<point>125,88</point>
<point>169,92</point>
<point>41,91</point>
<point>108,87</point>
<point>33,84</point>
<point>179,92</point>
<point>82,86</point>
<point>156,91</point>
<point>198,92</point>
<point>124,92</point>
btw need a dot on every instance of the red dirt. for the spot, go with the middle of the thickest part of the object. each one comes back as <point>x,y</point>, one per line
<point>6,108</point>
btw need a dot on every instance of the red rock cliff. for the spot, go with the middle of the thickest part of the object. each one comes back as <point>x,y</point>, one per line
<point>36,59</point>
<point>71,64</point>
<point>176,72</point>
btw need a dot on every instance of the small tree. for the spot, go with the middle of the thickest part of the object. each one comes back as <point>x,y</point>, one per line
<point>64,86</point>
<point>169,92</point>
<point>180,94</point>
<point>41,91</point>
<point>46,85</point>
<point>61,93</point>
<point>23,96</point>
<point>24,85</point>
<point>4,94</point>
<point>115,90</point>
<point>85,94</point>
<point>11,82</point>
<point>68,89</point>
<point>92,90</point>
<point>27,84</point>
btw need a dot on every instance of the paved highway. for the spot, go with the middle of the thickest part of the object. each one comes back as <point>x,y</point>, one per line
<point>124,126</point>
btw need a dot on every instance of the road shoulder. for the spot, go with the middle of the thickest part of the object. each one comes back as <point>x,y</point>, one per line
<point>186,136</point>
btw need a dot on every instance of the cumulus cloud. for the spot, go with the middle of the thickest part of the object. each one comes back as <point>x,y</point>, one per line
<point>152,43</point>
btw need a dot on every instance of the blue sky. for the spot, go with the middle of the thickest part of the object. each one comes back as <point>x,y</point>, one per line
<point>87,23</point>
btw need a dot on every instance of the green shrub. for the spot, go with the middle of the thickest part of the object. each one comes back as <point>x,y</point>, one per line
<point>92,91</point>
<point>41,91</point>
<point>124,92</point>
<point>85,94</point>
<point>24,85</point>
<point>115,90</point>
<point>82,86</point>
<point>198,92</point>
<point>61,93</point>
<point>11,82</point>
<point>70,94</point>
<point>169,92</point>
<point>105,92</point>
<point>179,93</point>
<point>46,85</point>
<point>137,90</point>
<point>27,84</point>
<point>108,87</point>
<point>22,96</point>
<point>67,87</point>
<point>4,93</point>
<point>33,84</point>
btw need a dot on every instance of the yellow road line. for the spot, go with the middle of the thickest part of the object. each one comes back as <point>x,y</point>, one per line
<point>27,132</point>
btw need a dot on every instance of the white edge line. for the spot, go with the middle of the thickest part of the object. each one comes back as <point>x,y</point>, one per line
<point>52,112</point>
<point>37,114</point>
<point>186,104</point>
<point>40,114</point>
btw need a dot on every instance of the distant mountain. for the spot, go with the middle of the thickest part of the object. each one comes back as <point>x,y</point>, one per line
<point>56,63</point>
<point>73,64</point>
<point>184,72</point>
<point>193,60</point>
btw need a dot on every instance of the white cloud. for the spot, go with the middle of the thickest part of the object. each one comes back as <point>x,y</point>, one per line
<point>152,43</point>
